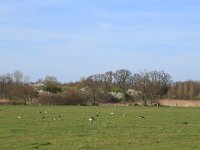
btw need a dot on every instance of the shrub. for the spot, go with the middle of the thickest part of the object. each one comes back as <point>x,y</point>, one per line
<point>70,97</point>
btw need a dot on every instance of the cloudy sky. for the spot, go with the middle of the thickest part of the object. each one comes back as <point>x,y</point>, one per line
<point>74,38</point>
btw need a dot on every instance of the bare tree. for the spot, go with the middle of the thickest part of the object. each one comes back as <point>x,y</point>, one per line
<point>123,79</point>
<point>159,83</point>
<point>191,90</point>
<point>165,80</point>
<point>141,83</point>
<point>26,79</point>
<point>5,81</point>
<point>18,76</point>
<point>107,81</point>
<point>91,86</point>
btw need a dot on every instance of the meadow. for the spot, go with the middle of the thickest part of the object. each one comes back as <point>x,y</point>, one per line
<point>114,127</point>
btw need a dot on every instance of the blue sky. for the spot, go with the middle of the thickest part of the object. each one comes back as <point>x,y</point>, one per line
<point>74,38</point>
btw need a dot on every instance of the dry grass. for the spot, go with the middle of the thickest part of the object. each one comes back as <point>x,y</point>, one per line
<point>180,103</point>
<point>4,101</point>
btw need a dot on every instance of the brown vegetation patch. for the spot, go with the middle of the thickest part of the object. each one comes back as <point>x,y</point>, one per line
<point>180,103</point>
<point>5,101</point>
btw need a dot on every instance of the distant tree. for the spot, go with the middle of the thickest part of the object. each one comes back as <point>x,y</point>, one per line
<point>40,80</point>
<point>180,91</point>
<point>189,90</point>
<point>50,79</point>
<point>108,80</point>
<point>21,93</point>
<point>192,90</point>
<point>5,81</point>
<point>91,87</point>
<point>165,80</point>
<point>18,76</point>
<point>26,79</point>
<point>123,78</point>
<point>159,83</point>
<point>52,85</point>
<point>141,83</point>
<point>153,84</point>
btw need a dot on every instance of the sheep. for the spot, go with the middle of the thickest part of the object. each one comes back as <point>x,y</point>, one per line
<point>142,117</point>
<point>39,112</point>
<point>97,114</point>
<point>19,117</point>
<point>124,115</point>
<point>91,119</point>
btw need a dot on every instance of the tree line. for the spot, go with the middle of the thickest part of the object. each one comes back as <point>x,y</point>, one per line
<point>109,87</point>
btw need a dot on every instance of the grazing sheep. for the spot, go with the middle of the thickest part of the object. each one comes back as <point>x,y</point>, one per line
<point>45,112</point>
<point>54,118</point>
<point>185,122</point>
<point>39,112</point>
<point>97,114</point>
<point>142,117</point>
<point>124,115</point>
<point>91,119</point>
<point>19,117</point>
<point>112,113</point>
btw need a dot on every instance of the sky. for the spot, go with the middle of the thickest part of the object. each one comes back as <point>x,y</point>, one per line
<point>71,39</point>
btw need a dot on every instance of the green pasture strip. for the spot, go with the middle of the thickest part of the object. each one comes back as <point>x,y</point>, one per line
<point>128,127</point>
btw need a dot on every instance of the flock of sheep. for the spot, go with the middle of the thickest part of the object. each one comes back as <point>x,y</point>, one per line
<point>93,118</point>
<point>43,116</point>
<point>97,115</point>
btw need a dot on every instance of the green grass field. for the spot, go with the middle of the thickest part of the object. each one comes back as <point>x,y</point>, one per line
<point>162,128</point>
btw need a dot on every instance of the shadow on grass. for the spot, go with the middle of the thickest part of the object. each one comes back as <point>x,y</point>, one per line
<point>38,145</point>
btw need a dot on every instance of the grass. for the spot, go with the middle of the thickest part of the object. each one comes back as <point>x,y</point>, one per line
<point>162,128</point>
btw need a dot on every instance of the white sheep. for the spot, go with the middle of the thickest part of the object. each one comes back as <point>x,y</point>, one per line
<point>91,119</point>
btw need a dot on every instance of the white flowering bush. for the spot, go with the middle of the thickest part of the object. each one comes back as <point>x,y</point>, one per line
<point>117,96</point>
<point>134,93</point>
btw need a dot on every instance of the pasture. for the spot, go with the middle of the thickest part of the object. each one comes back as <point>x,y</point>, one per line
<point>115,127</point>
